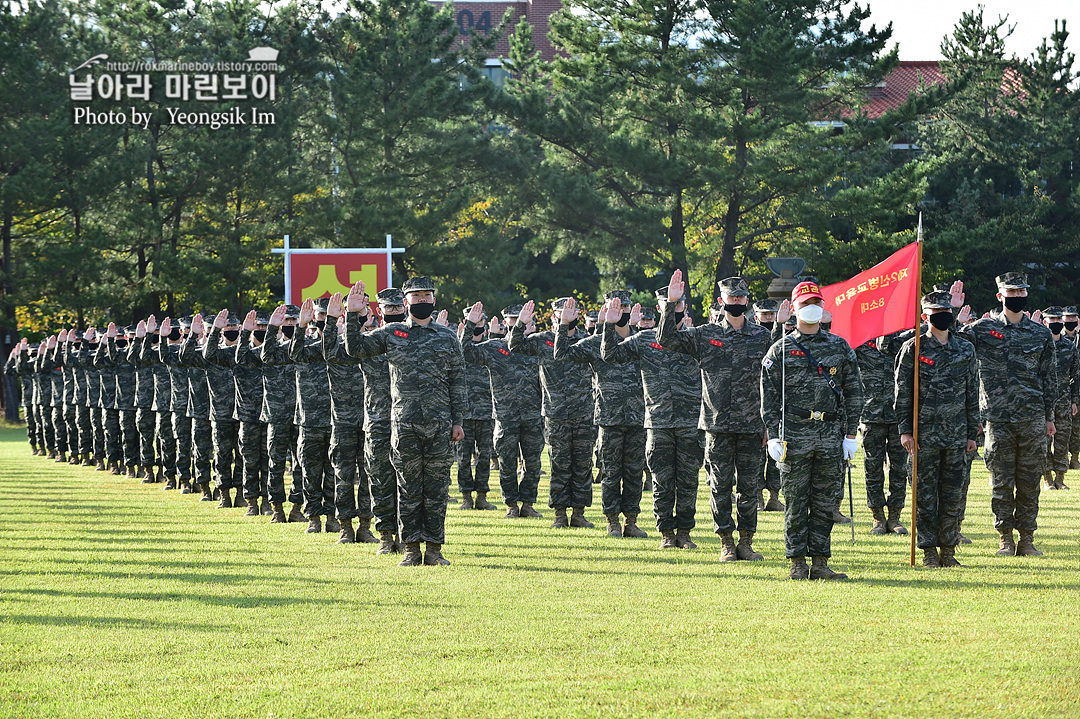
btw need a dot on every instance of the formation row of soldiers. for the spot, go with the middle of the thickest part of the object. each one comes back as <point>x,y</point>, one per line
<point>367,407</point>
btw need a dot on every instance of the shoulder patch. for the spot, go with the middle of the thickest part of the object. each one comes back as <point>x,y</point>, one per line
<point>716,343</point>
<point>400,333</point>
<point>656,345</point>
<point>549,343</point>
<point>872,345</point>
<point>798,353</point>
<point>995,333</point>
<point>766,363</point>
<point>504,352</point>
<point>926,360</point>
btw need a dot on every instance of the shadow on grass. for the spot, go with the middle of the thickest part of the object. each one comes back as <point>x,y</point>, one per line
<point>112,623</point>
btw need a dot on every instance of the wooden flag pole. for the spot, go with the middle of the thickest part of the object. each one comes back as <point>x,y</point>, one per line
<point>915,424</point>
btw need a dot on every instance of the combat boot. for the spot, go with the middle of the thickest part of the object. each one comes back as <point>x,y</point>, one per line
<point>115,468</point>
<point>1060,481</point>
<point>267,508</point>
<point>512,511</point>
<point>727,548</point>
<point>52,454</point>
<point>528,511</point>
<point>314,525</point>
<point>614,527</point>
<point>466,501</point>
<point>170,483</point>
<point>387,543</point>
<point>225,502</point>
<point>252,508</point>
<point>561,521</point>
<point>1026,546</point>
<point>131,471</point>
<point>838,516</point>
<point>577,519</point>
<point>879,521</point>
<point>1048,477</point>
<point>205,493</point>
<point>62,457</point>
<point>761,500</point>
<point>413,557</point>
<point>630,529</point>
<point>744,550</point>
<point>101,466</point>
<point>482,503</point>
<point>892,524</point>
<point>296,513</point>
<point>185,486</point>
<point>774,504</point>
<point>88,461</point>
<point>930,558</point>
<point>348,536</point>
<point>819,569</point>
<point>363,531</point>
<point>332,524</point>
<point>74,459</point>
<point>667,539</point>
<point>433,556</point>
<point>963,539</point>
<point>1007,547</point>
<point>279,514</point>
<point>682,538</point>
<point>1074,463</point>
<point>948,557</point>
<point>799,570</point>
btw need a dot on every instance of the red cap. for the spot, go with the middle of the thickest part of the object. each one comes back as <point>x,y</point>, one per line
<point>806,291</point>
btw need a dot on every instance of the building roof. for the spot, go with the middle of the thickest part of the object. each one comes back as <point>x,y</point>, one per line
<point>899,84</point>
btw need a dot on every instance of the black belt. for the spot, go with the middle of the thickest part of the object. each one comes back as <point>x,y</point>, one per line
<point>812,414</point>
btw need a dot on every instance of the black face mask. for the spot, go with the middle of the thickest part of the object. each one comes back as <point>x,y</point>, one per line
<point>394,318</point>
<point>231,335</point>
<point>572,325</point>
<point>153,339</point>
<point>497,335</point>
<point>320,325</point>
<point>477,331</point>
<point>623,320</point>
<point>768,325</point>
<point>121,344</point>
<point>679,317</point>
<point>94,345</point>
<point>735,310</point>
<point>942,320</point>
<point>1071,326</point>
<point>421,310</point>
<point>260,335</point>
<point>1056,327</point>
<point>288,331</point>
<point>174,334</point>
<point>1015,304</point>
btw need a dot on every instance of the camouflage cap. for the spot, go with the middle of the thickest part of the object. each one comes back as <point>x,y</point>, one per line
<point>1070,310</point>
<point>648,313</point>
<point>766,305</point>
<point>130,329</point>
<point>1054,311</point>
<point>942,287</point>
<point>734,287</point>
<point>262,318</point>
<point>661,294</point>
<point>418,284</point>
<point>559,303</point>
<point>233,319</point>
<point>623,295</point>
<point>468,308</point>
<point>292,312</point>
<point>1012,281</point>
<point>185,322</point>
<point>390,297</point>
<point>320,305</point>
<point>592,315</point>
<point>511,311</point>
<point>937,301</point>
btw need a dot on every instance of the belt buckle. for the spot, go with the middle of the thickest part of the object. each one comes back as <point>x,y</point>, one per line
<point>817,415</point>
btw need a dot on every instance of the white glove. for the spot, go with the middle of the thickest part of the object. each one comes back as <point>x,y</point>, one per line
<point>850,447</point>
<point>777,449</point>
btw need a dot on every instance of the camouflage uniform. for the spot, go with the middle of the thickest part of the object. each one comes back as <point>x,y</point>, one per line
<point>948,418</point>
<point>279,412</point>
<point>218,361</point>
<point>515,392</point>
<point>1068,368</point>
<point>162,405</point>
<point>75,360</point>
<point>620,413</point>
<point>810,473</point>
<point>730,362</point>
<point>1017,387</point>
<point>180,422</point>
<point>674,446</point>
<point>21,366</point>
<point>429,396</point>
<point>382,479</point>
<point>1074,437</point>
<point>202,431</point>
<point>313,406</point>
<point>116,356</point>
<point>352,496</point>
<point>52,370</point>
<point>772,474</point>
<point>144,401</point>
<point>566,393</point>
<point>881,439</point>
<point>68,394</point>
<point>248,375</point>
<point>479,428</point>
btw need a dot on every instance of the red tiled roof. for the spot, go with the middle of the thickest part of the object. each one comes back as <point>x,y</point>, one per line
<point>899,85</point>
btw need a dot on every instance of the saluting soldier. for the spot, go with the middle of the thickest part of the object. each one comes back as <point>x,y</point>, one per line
<point>427,383</point>
<point>729,353</point>
<point>1071,321</point>
<point>1018,386</point>
<point>219,361</point>
<point>948,426</point>
<point>279,412</point>
<point>1065,405</point>
<point>818,375</point>
<point>248,375</point>
<point>479,430</point>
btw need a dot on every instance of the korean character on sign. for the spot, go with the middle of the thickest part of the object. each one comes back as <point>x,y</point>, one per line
<point>873,283</point>
<point>862,287</point>
<point>137,86</point>
<point>839,299</point>
<point>109,87</point>
<point>850,293</point>
<point>206,87</point>
<point>177,87</point>
<point>81,90</point>
<point>903,274</point>
<point>264,87</point>
<point>235,87</point>
<point>885,281</point>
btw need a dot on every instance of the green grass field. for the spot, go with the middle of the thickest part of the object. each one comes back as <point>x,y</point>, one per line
<point>120,600</point>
